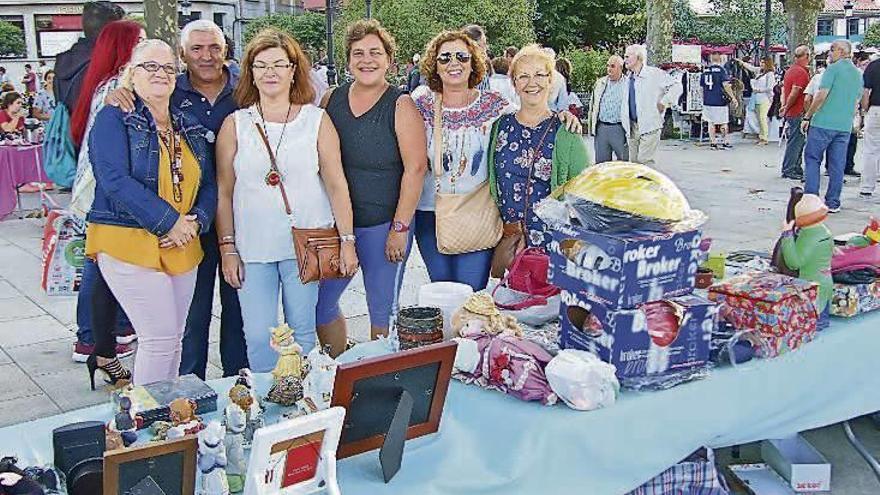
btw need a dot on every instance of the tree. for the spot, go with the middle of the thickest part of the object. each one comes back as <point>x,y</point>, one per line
<point>414,22</point>
<point>872,36</point>
<point>11,39</point>
<point>801,19</point>
<point>308,28</point>
<point>161,18</point>
<point>586,66</point>
<point>599,23</point>
<point>659,35</point>
<point>730,22</point>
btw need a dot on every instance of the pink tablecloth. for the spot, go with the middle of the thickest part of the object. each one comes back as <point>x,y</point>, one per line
<point>18,165</point>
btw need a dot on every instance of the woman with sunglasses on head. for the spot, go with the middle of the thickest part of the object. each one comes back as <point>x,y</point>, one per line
<point>277,123</point>
<point>530,152</point>
<point>454,65</point>
<point>385,183</point>
<point>155,193</point>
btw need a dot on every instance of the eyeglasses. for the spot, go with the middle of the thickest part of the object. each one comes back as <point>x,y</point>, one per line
<point>154,67</point>
<point>446,57</point>
<point>277,66</point>
<point>527,78</point>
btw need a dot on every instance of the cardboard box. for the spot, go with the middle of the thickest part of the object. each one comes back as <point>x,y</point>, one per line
<point>852,300</point>
<point>621,270</point>
<point>624,337</point>
<point>799,463</point>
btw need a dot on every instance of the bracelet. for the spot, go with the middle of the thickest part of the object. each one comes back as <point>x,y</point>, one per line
<point>231,253</point>
<point>226,243</point>
<point>347,238</point>
<point>227,238</point>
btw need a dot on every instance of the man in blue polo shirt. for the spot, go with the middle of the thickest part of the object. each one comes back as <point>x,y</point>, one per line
<point>716,94</point>
<point>204,91</point>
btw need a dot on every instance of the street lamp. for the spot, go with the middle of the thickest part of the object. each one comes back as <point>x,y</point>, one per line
<point>331,65</point>
<point>847,13</point>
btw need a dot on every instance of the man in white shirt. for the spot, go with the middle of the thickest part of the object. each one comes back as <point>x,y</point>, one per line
<point>500,81</point>
<point>650,91</point>
<point>605,123</point>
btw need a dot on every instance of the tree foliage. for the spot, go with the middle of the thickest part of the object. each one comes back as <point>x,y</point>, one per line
<point>161,20</point>
<point>872,36</point>
<point>11,39</point>
<point>414,22</point>
<point>309,29</point>
<point>587,65</point>
<point>564,24</point>
<point>730,21</point>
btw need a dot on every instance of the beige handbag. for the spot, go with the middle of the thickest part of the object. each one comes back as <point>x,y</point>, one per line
<point>464,222</point>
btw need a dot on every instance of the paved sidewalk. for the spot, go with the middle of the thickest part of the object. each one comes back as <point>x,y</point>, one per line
<point>739,189</point>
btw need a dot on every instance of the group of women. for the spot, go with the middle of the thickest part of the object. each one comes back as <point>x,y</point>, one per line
<point>367,160</point>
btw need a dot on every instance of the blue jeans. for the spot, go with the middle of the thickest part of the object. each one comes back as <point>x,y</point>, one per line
<point>382,279</point>
<point>233,353</point>
<point>469,268</point>
<point>259,307</point>
<point>794,148</point>
<point>835,143</point>
<point>90,275</point>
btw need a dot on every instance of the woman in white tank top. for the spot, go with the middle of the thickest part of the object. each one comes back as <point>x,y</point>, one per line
<point>253,227</point>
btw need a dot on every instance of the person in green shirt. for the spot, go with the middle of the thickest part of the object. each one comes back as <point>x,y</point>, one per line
<point>828,122</point>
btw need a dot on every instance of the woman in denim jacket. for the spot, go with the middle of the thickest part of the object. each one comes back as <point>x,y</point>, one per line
<point>156,192</point>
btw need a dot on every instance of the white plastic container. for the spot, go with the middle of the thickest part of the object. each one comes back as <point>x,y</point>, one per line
<point>448,296</point>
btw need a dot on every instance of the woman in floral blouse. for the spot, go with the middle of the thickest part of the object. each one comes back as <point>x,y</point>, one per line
<point>530,152</point>
<point>453,66</point>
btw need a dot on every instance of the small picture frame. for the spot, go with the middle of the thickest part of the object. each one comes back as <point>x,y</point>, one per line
<point>370,391</point>
<point>160,468</point>
<point>296,456</point>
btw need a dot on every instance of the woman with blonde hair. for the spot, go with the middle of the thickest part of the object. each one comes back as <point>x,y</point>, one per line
<point>531,153</point>
<point>155,194</point>
<point>277,121</point>
<point>454,65</point>
<point>762,92</point>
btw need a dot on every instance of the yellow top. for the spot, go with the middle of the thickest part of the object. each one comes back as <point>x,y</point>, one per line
<point>139,246</point>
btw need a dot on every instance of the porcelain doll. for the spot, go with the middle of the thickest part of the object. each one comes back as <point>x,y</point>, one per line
<point>183,419</point>
<point>810,253</point>
<point>287,388</point>
<point>212,461</point>
<point>236,423</point>
<point>125,422</point>
<point>255,407</point>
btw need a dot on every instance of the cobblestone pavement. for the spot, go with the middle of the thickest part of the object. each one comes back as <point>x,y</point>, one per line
<point>739,189</point>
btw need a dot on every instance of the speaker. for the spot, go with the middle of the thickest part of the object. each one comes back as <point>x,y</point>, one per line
<point>77,442</point>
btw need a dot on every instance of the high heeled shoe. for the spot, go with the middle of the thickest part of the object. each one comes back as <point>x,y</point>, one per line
<point>114,370</point>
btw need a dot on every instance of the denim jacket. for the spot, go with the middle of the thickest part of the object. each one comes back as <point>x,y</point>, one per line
<point>124,151</point>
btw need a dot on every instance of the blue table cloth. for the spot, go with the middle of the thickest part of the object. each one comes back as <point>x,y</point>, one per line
<point>493,444</point>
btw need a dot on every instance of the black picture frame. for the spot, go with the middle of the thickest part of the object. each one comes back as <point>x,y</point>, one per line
<point>170,466</point>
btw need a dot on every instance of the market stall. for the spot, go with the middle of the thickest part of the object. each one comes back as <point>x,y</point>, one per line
<point>19,164</point>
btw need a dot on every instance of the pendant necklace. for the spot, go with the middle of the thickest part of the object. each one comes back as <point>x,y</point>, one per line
<point>273,178</point>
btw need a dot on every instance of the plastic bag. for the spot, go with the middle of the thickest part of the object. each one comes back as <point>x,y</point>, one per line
<point>533,316</point>
<point>582,381</point>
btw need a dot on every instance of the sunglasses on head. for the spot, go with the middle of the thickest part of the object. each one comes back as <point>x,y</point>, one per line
<point>446,57</point>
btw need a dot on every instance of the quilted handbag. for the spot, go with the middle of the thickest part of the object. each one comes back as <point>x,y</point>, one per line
<point>467,222</point>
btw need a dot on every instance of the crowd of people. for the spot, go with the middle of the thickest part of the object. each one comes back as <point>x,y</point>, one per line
<point>191,174</point>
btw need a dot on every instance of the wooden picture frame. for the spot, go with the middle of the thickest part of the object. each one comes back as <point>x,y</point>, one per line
<point>437,359</point>
<point>122,464</point>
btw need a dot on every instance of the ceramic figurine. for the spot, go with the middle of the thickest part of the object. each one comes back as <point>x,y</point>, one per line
<point>126,422</point>
<point>236,423</point>
<point>212,461</point>
<point>287,388</point>
<point>810,253</point>
<point>482,307</point>
<point>254,407</point>
<point>183,419</point>
<point>318,384</point>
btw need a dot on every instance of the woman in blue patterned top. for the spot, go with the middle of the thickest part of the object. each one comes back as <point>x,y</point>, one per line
<point>530,151</point>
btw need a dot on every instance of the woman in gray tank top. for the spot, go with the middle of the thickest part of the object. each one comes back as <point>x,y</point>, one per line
<point>384,156</point>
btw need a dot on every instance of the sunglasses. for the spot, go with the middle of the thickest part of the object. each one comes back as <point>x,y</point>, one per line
<point>156,67</point>
<point>446,57</point>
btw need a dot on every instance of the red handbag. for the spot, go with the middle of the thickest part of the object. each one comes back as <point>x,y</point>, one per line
<point>528,274</point>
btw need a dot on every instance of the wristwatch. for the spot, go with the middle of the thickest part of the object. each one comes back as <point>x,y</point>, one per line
<point>399,226</point>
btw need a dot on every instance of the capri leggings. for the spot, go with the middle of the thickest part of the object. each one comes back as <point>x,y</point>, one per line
<point>382,279</point>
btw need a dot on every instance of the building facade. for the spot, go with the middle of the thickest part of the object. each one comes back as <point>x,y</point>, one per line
<point>833,23</point>
<point>51,27</point>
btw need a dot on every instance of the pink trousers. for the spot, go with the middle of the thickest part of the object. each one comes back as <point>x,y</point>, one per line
<point>157,305</point>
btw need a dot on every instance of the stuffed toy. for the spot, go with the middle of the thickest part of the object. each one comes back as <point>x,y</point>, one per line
<point>481,306</point>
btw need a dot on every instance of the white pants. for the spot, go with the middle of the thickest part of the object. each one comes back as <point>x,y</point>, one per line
<point>642,147</point>
<point>871,150</point>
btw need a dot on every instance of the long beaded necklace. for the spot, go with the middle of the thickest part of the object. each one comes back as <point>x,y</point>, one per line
<point>273,177</point>
<point>171,141</point>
